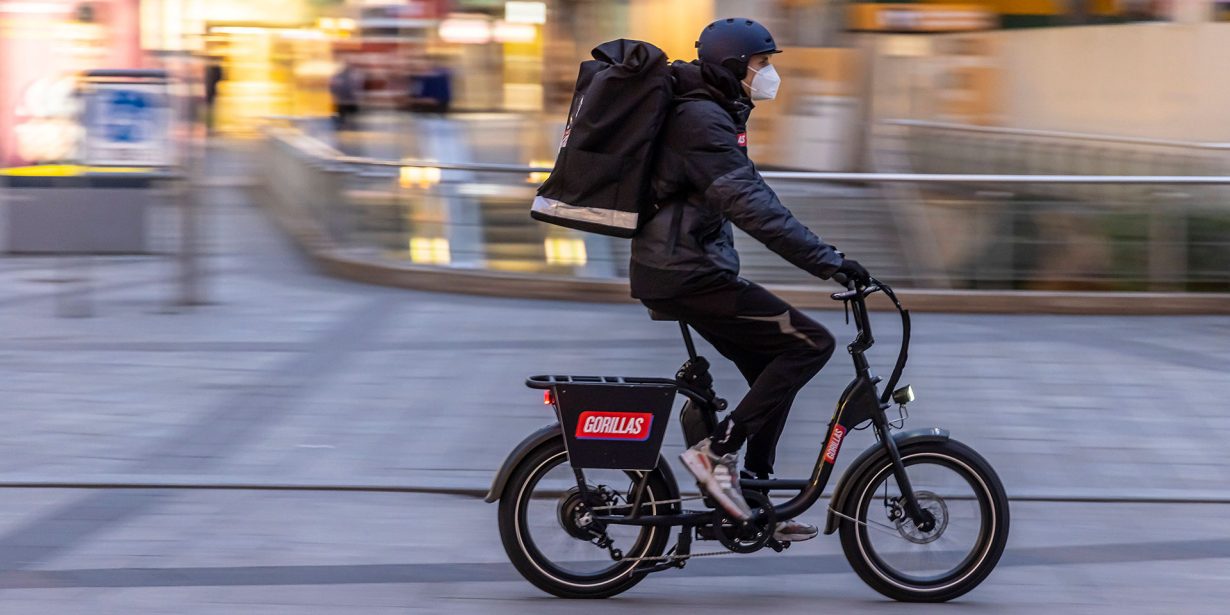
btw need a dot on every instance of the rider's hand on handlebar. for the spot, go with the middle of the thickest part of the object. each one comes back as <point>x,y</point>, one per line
<point>853,271</point>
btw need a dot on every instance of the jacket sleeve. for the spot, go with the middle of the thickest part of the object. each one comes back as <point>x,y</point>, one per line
<point>730,183</point>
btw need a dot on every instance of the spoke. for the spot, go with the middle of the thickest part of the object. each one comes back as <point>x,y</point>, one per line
<point>574,554</point>
<point>887,529</point>
<point>947,493</point>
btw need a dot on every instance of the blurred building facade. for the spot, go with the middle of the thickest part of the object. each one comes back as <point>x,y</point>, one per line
<point>42,46</point>
<point>276,58</point>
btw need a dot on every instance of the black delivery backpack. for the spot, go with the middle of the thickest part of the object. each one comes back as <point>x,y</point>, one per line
<point>600,182</point>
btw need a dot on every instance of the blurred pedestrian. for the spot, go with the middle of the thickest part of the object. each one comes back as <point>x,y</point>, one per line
<point>345,87</point>
<point>213,76</point>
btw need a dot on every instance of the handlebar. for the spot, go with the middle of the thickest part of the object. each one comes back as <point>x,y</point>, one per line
<point>850,294</point>
<point>855,296</point>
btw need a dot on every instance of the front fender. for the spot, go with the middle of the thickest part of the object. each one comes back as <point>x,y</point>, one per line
<point>544,434</point>
<point>870,458</point>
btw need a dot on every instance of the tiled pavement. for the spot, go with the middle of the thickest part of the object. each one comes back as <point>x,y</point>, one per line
<point>288,376</point>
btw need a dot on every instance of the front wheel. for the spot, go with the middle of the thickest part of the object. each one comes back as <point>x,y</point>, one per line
<point>549,534</point>
<point>943,559</point>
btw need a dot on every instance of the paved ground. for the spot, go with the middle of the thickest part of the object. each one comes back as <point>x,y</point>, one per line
<point>230,552</point>
<point>287,376</point>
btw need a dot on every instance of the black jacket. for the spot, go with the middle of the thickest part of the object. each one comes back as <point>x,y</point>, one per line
<point>704,181</point>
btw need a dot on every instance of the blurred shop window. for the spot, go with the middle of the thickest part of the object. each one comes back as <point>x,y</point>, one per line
<point>1221,10</point>
<point>430,87</point>
<point>46,128</point>
<point>1141,10</point>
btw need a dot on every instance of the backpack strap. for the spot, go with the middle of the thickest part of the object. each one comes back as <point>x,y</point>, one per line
<point>676,223</point>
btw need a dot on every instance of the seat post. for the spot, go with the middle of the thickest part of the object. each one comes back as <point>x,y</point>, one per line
<point>687,339</point>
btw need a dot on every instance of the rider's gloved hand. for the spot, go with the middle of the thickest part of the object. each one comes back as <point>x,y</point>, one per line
<point>854,271</point>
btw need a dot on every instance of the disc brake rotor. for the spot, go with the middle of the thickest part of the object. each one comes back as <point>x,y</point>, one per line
<point>931,503</point>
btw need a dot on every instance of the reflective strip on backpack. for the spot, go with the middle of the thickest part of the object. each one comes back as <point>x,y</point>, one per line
<point>593,215</point>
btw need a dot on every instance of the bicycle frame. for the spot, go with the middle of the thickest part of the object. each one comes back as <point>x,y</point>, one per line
<point>858,403</point>
<point>616,425</point>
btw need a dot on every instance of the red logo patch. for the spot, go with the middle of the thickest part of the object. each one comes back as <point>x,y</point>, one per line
<point>614,426</point>
<point>743,139</point>
<point>830,451</point>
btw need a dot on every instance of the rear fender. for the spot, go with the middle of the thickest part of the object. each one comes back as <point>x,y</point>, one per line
<point>543,436</point>
<point>869,459</point>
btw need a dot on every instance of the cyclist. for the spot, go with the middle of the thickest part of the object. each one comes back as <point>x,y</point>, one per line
<point>684,262</point>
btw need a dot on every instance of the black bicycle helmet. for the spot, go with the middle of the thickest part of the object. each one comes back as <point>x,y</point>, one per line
<point>732,42</point>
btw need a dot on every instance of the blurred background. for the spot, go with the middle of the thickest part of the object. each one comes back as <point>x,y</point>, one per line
<point>213,399</point>
<point>374,91</point>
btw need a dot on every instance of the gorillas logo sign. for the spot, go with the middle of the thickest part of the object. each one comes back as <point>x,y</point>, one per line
<point>830,452</point>
<point>632,426</point>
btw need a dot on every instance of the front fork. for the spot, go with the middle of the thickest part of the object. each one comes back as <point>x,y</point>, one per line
<point>922,519</point>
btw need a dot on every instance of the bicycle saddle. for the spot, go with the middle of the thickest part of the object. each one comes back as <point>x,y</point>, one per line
<point>656,315</point>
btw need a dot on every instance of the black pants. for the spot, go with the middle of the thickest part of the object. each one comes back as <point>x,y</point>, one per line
<point>777,348</point>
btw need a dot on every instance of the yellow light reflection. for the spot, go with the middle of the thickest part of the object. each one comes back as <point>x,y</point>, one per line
<point>538,177</point>
<point>46,170</point>
<point>505,32</point>
<point>67,170</point>
<point>465,31</point>
<point>430,251</point>
<point>422,177</point>
<point>565,251</point>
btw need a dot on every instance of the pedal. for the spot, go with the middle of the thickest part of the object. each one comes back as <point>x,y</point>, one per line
<point>778,546</point>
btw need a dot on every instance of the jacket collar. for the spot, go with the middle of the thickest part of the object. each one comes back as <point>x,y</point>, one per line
<point>697,81</point>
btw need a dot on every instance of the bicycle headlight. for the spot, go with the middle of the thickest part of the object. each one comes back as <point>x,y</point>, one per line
<point>904,395</point>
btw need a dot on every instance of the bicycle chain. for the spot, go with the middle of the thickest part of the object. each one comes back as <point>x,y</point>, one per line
<point>650,503</point>
<point>677,558</point>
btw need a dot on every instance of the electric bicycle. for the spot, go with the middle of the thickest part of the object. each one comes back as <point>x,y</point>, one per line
<point>588,507</point>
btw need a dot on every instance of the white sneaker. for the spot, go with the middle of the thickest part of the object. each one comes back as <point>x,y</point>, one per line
<point>718,477</point>
<point>794,531</point>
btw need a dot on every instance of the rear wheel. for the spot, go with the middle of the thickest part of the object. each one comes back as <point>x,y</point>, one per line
<point>938,561</point>
<point>550,536</point>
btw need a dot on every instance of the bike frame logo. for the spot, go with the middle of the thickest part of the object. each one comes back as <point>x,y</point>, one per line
<point>630,426</point>
<point>830,451</point>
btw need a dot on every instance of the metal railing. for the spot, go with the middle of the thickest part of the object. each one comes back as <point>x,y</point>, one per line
<point>938,148</point>
<point>1001,231</point>
<point>1081,137</point>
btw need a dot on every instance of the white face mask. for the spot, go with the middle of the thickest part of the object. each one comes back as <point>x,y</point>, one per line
<point>764,85</point>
